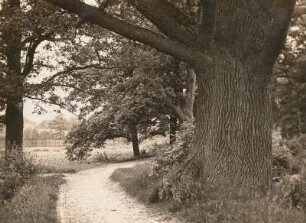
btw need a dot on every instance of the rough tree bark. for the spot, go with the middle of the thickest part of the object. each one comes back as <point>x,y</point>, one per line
<point>233,54</point>
<point>232,145</point>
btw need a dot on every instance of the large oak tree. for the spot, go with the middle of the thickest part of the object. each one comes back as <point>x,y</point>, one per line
<point>233,48</point>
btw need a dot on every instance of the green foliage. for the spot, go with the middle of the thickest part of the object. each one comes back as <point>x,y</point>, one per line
<point>15,170</point>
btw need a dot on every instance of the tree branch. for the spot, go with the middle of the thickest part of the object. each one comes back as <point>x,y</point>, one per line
<point>179,16</point>
<point>47,102</point>
<point>282,13</point>
<point>207,27</point>
<point>157,41</point>
<point>31,53</point>
<point>157,12</point>
<point>85,67</point>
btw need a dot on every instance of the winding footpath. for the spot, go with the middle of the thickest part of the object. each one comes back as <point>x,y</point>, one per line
<point>91,197</point>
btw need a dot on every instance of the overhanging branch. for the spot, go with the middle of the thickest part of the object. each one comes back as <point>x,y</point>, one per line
<point>157,12</point>
<point>157,41</point>
<point>61,105</point>
<point>85,67</point>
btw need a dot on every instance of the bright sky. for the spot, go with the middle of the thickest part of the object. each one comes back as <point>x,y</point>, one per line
<point>29,107</point>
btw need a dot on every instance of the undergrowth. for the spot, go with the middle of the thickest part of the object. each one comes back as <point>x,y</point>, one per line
<point>285,203</point>
<point>35,202</point>
<point>24,196</point>
<point>15,169</point>
<point>210,207</point>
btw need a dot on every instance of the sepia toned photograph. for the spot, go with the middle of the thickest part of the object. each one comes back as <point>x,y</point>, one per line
<point>152,111</point>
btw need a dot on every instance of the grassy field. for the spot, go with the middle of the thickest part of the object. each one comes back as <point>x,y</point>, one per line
<point>53,159</point>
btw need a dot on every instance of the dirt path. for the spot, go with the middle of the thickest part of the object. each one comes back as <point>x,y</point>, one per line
<point>91,197</point>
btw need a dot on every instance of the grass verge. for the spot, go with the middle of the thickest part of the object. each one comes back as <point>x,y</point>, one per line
<point>35,202</point>
<point>134,184</point>
<point>208,209</point>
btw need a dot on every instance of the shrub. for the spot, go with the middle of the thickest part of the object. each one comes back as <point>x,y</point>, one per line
<point>289,170</point>
<point>101,157</point>
<point>35,202</point>
<point>165,164</point>
<point>297,181</point>
<point>288,164</point>
<point>15,170</point>
<point>283,160</point>
<point>175,154</point>
<point>209,205</point>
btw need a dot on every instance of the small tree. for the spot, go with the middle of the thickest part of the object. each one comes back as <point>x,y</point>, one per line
<point>60,126</point>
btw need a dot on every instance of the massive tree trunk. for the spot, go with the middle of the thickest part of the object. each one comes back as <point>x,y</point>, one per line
<point>232,143</point>
<point>135,141</point>
<point>14,102</point>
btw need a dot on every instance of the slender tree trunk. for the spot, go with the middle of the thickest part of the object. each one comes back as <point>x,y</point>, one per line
<point>184,108</point>
<point>173,128</point>
<point>189,97</point>
<point>135,141</point>
<point>14,104</point>
<point>232,143</point>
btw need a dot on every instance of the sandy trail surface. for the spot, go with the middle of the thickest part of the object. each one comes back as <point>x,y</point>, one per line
<point>90,196</point>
